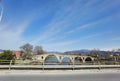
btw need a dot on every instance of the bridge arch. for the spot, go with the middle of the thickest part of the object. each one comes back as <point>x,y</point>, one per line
<point>53,56</point>
<point>66,60</point>
<point>88,59</point>
<point>78,59</point>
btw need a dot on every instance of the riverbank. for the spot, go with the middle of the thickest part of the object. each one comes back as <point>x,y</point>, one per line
<point>55,72</point>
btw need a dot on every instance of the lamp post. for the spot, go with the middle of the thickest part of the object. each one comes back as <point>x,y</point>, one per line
<point>1,12</point>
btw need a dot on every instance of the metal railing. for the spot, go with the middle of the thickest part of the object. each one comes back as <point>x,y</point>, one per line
<point>51,64</point>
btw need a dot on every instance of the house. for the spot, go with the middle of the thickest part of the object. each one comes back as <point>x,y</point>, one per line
<point>17,54</point>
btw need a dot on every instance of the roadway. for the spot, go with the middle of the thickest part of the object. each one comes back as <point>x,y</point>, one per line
<point>61,77</point>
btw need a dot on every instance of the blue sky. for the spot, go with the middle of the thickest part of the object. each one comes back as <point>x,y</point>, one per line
<point>61,25</point>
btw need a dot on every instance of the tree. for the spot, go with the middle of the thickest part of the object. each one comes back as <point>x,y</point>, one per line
<point>6,56</point>
<point>118,49</point>
<point>95,53</point>
<point>26,51</point>
<point>110,55</point>
<point>38,50</point>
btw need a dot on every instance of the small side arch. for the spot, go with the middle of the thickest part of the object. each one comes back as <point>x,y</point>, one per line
<point>88,59</point>
<point>66,60</point>
<point>79,59</point>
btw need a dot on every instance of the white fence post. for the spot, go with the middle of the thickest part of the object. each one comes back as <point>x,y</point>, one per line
<point>99,66</point>
<point>43,66</point>
<point>10,64</point>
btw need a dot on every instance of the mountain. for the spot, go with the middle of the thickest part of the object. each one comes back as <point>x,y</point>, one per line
<point>54,52</point>
<point>103,52</point>
<point>1,50</point>
<point>82,51</point>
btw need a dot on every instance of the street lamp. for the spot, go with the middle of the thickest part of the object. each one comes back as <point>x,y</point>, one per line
<point>1,11</point>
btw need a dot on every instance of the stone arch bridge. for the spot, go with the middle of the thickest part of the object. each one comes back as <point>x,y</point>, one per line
<point>60,57</point>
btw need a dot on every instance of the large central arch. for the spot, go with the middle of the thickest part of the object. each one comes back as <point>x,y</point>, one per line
<point>52,58</point>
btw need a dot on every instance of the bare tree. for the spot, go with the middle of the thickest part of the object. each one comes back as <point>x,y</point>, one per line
<point>26,51</point>
<point>95,53</point>
<point>38,50</point>
<point>110,55</point>
<point>118,49</point>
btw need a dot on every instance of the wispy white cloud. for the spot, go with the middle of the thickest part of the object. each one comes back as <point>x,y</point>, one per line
<point>116,39</point>
<point>11,34</point>
<point>78,29</point>
<point>98,34</point>
<point>62,21</point>
<point>54,45</point>
<point>110,48</point>
<point>52,29</point>
<point>66,16</point>
<point>59,23</point>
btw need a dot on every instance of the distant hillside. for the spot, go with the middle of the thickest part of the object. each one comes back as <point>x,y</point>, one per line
<point>1,50</point>
<point>83,51</point>
<point>54,52</point>
<point>103,52</point>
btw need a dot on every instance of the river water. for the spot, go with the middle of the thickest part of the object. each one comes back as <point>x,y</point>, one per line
<point>62,77</point>
<point>65,61</point>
